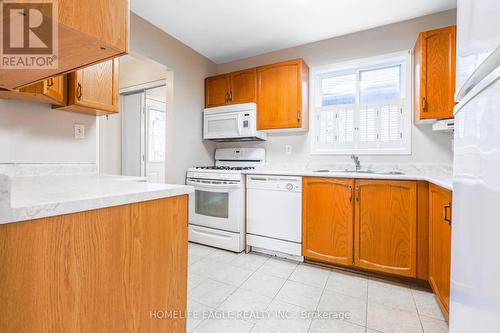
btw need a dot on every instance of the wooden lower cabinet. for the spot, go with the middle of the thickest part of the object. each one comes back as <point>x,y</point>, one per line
<point>370,224</point>
<point>385,234</point>
<point>440,244</point>
<point>103,270</point>
<point>327,213</point>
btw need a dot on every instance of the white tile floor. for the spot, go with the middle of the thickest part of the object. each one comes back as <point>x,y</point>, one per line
<point>227,283</point>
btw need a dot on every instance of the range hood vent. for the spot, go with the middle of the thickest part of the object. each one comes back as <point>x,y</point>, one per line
<point>446,125</point>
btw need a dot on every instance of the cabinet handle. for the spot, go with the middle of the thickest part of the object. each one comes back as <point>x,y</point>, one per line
<point>447,208</point>
<point>357,194</point>
<point>351,194</point>
<point>227,97</point>
<point>424,104</point>
<point>50,83</point>
<point>298,115</point>
<point>79,91</point>
<point>231,96</point>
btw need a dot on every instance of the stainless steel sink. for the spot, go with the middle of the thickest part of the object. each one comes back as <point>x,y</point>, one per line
<point>345,171</point>
<point>361,171</point>
<point>395,172</point>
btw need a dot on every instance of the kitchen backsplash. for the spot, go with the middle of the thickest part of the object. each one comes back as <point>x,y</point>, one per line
<point>428,147</point>
<point>4,192</point>
<point>417,168</point>
<point>27,169</point>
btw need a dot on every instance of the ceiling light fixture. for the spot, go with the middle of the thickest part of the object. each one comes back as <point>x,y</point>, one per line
<point>302,2</point>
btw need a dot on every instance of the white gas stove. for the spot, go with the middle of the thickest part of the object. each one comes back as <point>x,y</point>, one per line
<point>217,207</point>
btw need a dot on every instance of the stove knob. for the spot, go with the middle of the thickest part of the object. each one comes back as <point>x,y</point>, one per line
<point>289,186</point>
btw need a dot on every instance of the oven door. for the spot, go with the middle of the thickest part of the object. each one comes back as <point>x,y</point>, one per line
<point>216,205</point>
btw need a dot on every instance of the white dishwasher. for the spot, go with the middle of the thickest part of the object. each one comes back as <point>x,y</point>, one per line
<point>274,214</point>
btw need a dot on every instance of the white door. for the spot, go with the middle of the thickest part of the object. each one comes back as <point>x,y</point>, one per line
<point>156,125</point>
<point>143,133</point>
<point>132,108</point>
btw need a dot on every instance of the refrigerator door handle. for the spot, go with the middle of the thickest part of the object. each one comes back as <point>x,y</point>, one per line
<point>488,66</point>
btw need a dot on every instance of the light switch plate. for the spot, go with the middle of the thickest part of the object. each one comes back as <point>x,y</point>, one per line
<point>288,149</point>
<point>79,131</point>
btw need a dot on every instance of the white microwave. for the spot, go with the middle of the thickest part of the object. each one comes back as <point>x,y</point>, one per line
<point>236,122</point>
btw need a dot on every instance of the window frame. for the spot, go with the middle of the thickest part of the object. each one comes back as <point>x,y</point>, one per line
<point>357,66</point>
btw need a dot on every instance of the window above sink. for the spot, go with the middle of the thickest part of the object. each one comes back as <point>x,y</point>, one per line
<point>363,107</point>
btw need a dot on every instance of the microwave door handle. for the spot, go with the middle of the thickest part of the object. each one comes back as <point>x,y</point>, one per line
<point>240,124</point>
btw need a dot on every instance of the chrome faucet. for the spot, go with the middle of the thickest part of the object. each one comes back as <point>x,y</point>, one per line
<point>356,161</point>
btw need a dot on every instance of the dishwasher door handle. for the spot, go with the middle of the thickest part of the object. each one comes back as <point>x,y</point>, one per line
<point>259,178</point>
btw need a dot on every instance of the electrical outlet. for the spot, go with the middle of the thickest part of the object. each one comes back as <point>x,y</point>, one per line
<point>79,131</point>
<point>288,149</point>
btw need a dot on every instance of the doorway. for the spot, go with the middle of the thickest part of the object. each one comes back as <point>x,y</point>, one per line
<point>143,131</point>
<point>132,141</point>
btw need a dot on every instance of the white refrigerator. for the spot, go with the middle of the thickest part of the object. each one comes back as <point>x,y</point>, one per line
<point>475,261</point>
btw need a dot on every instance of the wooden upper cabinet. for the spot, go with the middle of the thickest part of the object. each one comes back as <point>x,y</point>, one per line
<point>89,32</point>
<point>217,90</point>
<point>52,90</point>
<point>434,74</point>
<point>280,91</point>
<point>327,220</point>
<point>94,90</point>
<point>233,88</point>
<point>55,88</point>
<point>243,86</point>
<point>282,95</point>
<point>440,244</point>
<point>385,226</point>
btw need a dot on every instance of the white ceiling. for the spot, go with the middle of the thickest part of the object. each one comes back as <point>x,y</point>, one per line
<point>226,30</point>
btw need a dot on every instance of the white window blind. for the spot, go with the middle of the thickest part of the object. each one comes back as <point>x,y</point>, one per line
<point>363,108</point>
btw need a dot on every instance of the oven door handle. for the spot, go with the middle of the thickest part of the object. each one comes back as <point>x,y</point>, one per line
<point>210,185</point>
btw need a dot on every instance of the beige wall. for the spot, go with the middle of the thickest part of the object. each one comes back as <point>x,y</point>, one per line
<point>428,146</point>
<point>35,133</point>
<point>138,71</point>
<point>185,102</point>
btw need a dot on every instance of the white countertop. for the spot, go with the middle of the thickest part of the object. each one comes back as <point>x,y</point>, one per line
<point>33,197</point>
<point>444,180</point>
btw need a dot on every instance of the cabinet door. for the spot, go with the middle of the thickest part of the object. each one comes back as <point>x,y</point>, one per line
<point>52,90</point>
<point>435,58</point>
<point>385,231</point>
<point>55,88</point>
<point>95,87</point>
<point>89,32</point>
<point>243,86</point>
<point>440,244</point>
<point>281,95</point>
<point>327,220</point>
<point>217,90</point>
